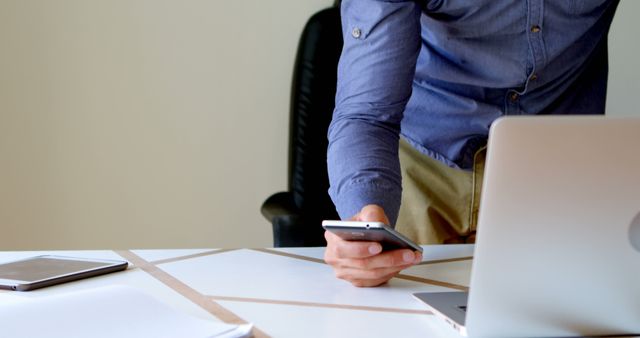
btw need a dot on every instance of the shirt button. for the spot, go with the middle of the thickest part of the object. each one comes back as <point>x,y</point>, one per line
<point>535,29</point>
<point>533,77</point>
<point>514,97</point>
<point>356,32</point>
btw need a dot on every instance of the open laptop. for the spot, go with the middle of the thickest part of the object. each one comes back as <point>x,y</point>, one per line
<point>558,246</point>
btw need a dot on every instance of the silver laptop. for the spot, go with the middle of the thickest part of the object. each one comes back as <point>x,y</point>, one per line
<point>558,245</point>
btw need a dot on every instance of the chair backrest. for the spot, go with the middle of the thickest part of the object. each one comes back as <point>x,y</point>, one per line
<point>312,103</point>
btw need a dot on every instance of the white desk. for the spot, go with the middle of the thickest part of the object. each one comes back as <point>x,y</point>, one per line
<point>283,292</point>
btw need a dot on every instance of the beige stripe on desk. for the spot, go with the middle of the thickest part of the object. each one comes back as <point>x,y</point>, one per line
<point>448,260</point>
<point>290,255</point>
<point>196,255</point>
<point>322,305</point>
<point>401,276</point>
<point>432,282</point>
<point>186,291</point>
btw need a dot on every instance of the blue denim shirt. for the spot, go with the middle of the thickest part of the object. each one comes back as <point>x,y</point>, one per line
<point>440,72</point>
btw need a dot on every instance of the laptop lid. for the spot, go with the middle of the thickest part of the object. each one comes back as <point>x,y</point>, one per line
<point>557,250</point>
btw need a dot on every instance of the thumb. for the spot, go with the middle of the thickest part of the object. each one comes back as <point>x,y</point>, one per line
<point>372,213</point>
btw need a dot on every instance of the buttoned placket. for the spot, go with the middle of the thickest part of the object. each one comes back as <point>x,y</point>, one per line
<point>537,53</point>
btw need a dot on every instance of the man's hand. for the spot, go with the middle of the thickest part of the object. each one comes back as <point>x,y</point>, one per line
<point>364,263</point>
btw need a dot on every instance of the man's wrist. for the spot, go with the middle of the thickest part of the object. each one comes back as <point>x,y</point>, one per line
<point>353,201</point>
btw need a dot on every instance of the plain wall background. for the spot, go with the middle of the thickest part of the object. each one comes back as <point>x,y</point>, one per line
<point>143,123</point>
<point>157,123</point>
<point>624,61</point>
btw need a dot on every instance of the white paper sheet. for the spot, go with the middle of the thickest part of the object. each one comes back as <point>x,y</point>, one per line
<point>110,311</point>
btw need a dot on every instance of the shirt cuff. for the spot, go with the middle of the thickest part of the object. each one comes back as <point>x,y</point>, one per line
<point>350,201</point>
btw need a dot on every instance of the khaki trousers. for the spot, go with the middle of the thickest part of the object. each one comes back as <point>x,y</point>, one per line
<point>439,203</point>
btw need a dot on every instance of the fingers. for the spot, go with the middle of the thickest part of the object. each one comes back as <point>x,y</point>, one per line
<point>365,255</point>
<point>367,282</point>
<point>398,259</point>
<point>351,249</point>
<point>376,270</point>
<point>363,264</point>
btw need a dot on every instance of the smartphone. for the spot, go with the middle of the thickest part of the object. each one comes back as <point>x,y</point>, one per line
<point>371,232</point>
<point>40,271</point>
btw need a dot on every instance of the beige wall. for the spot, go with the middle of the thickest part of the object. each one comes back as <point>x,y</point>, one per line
<point>624,58</point>
<point>143,123</point>
<point>157,123</point>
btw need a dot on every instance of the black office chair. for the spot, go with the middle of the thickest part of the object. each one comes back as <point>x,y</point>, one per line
<point>296,214</point>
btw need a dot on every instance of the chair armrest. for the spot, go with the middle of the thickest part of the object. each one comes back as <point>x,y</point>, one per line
<point>290,227</point>
<point>278,205</point>
<point>297,231</point>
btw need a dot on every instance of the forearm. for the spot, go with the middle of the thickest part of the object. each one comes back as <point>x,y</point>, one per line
<point>376,69</point>
<point>364,169</point>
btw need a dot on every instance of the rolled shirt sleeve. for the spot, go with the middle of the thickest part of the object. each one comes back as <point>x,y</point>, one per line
<point>375,74</point>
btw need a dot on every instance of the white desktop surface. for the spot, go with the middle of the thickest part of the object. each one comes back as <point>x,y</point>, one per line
<point>283,292</point>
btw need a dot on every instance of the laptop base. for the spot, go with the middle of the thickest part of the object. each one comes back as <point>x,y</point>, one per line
<point>450,306</point>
